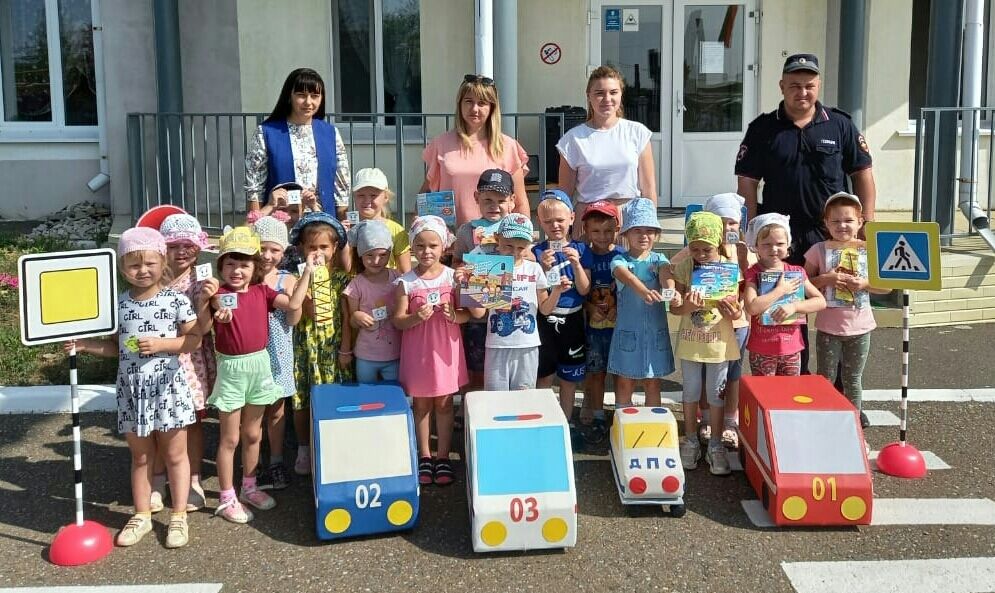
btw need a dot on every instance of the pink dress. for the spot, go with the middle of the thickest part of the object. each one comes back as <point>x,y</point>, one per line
<point>199,365</point>
<point>449,167</point>
<point>432,362</point>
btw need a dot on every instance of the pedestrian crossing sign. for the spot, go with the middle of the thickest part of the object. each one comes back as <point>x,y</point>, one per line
<point>903,255</point>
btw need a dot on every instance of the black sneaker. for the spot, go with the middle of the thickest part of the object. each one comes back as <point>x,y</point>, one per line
<point>864,422</point>
<point>279,476</point>
<point>596,432</point>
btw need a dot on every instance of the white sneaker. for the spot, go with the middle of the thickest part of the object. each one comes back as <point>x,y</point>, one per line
<point>302,467</point>
<point>196,499</point>
<point>155,502</point>
<point>690,452</point>
<point>134,530</point>
<point>718,464</point>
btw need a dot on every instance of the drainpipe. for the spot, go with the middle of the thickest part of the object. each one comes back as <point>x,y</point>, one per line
<point>970,122</point>
<point>484,38</point>
<point>103,177</point>
<point>169,83</point>
<point>853,63</point>
<point>506,55</point>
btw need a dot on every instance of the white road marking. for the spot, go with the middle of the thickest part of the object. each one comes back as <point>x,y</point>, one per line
<point>184,588</point>
<point>882,418</point>
<point>945,575</point>
<point>907,511</point>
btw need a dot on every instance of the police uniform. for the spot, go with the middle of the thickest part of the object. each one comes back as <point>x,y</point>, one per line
<point>801,167</point>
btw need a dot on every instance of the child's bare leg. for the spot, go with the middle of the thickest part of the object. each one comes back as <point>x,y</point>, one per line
<point>546,382</point>
<point>227,444</point>
<point>568,391</point>
<point>623,391</point>
<point>443,407</point>
<point>276,429</point>
<point>173,447</point>
<point>422,408</point>
<point>142,452</point>
<point>195,449</point>
<point>651,387</point>
<point>594,396</point>
<point>252,436</point>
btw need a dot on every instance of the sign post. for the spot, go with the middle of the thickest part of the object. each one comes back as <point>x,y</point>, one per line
<point>64,296</point>
<point>903,255</point>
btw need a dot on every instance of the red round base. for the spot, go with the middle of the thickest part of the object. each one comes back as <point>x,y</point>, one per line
<point>902,461</point>
<point>80,544</point>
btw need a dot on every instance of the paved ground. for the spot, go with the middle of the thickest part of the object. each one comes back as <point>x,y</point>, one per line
<point>714,547</point>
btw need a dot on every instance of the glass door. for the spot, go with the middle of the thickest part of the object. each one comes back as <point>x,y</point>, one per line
<point>714,90</point>
<point>634,38</point>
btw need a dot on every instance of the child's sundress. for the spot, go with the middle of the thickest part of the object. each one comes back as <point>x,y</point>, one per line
<point>641,342</point>
<point>316,345</point>
<point>200,365</point>
<point>280,346</point>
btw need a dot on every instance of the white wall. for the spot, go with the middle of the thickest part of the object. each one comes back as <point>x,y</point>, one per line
<point>42,177</point>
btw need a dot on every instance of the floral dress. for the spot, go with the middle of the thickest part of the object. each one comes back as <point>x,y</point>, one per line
<point>200,365</point>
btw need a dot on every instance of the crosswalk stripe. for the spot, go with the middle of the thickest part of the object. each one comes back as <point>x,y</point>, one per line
<point>907,511</point>
<point>932,461</point>
<point>882,418</point>
<point>183,588</point>
<point>944,575</point>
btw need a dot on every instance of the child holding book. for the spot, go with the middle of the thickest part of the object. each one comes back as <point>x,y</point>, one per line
<point>562,330</point>
<point>838,267</point>
<point>495,197</point>
<point>775,346</point>
<point>601,222</point>
<point>372,198</point>
<point>706,341</point>
<point>640,348</point>
<point>432,367</point>
<point>511,360</point>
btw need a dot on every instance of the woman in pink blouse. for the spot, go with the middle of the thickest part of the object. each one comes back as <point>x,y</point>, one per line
<point>456,159</point>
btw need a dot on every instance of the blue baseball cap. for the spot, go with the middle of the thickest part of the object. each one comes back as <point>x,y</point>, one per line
<point>515,226</point>
<point>558,194</point>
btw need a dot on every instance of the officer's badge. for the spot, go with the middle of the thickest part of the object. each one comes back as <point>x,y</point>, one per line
<point>741,153</point>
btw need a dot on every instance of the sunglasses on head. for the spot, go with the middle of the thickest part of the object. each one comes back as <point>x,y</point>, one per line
<point>478,78</point>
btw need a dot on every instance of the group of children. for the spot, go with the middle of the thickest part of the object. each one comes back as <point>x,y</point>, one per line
<point>328,301</point>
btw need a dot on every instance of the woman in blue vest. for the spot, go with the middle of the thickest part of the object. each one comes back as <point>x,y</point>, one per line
<point>296,145</point>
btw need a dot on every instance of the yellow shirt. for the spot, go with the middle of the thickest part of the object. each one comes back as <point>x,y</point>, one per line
<point>704,335</point>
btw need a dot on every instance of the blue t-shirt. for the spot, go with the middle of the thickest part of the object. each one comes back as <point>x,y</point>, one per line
<point>602,293</point>
<point>571,298</point>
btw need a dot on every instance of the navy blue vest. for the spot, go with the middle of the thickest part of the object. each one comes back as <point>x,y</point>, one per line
<point>280,159</point>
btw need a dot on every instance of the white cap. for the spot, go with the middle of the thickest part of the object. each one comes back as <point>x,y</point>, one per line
<point>369,178</point>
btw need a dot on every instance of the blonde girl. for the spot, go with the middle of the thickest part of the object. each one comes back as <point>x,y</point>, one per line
<point>372,198</point>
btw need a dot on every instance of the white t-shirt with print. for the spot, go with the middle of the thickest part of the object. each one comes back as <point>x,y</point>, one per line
<point>517,328</point>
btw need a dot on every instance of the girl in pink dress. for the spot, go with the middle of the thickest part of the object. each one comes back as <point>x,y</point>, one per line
<point>432,366</point>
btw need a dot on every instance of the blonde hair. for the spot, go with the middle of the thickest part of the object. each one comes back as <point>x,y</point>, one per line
<point>137,256</point>
<point>766,230</point>
<point>492,127</point>
<point>548,204</point>
<point>600,73</point>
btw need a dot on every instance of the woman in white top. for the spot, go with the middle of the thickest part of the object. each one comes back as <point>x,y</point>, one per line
<point>608,157</point>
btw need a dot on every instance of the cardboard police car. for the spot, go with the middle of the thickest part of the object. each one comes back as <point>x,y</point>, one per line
<point>645,459</point>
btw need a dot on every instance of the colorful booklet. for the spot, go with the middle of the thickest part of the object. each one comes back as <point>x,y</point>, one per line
<point>438,203</point>
<point>715,280</point>
<point>848,260</point>
<point>488,284</point>
<point>768,280</point>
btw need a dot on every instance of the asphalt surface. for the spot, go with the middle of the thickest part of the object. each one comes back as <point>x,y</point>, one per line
<point>713,548</point>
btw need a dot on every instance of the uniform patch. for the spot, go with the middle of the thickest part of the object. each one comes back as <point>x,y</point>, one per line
<point>741,153</point>
<point>863,143</point>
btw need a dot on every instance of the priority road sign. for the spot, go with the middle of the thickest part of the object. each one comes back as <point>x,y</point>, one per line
<point>67,295</point>
<point>903,255</point>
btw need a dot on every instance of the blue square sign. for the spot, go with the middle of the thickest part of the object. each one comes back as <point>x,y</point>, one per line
<point>904,255</point>
<point>613,19</point>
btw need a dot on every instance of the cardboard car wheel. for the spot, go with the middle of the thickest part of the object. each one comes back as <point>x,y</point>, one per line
<point>678,510</point>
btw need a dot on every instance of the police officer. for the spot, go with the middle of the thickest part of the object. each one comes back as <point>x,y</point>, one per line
<point>803,153</point>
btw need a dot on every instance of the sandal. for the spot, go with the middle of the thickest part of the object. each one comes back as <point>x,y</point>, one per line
<point>444,475</point>
<point>425,470</point>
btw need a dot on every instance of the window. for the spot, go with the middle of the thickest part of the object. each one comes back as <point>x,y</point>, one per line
<point>377,57</point>
<point>920,56</point>
<point>47,77</point>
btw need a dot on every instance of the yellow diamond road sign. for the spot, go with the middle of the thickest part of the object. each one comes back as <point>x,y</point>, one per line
<point>903,255</point>
<point>66,295</point>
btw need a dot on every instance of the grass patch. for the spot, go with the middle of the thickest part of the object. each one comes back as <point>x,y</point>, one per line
<point>36,365</point>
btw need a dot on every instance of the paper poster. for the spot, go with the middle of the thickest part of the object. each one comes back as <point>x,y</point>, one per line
<point>488,284</point>
<point>712,59</point>
<point>613,19</point>
<point>630,20</point>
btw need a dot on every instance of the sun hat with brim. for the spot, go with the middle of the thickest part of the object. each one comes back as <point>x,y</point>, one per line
<point>241,239</point>
<point>515,226</point>
<point>844,198</point>
<point>271,230</point>
<point>318,217</point>
<point>141,239</point>
<point>640,212</point>
<point>183,228</point>
<point>706,227</point>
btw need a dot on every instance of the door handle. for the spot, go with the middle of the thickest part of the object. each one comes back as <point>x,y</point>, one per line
<point>679,107</point>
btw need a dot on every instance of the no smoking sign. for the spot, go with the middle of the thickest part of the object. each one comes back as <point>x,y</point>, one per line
<point>550,53</point>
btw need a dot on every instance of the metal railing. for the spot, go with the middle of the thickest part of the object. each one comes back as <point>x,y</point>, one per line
<point>937,179</point>
<point>197,160</point>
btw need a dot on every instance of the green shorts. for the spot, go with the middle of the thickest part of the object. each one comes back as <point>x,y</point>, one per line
<point>244,379</point>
